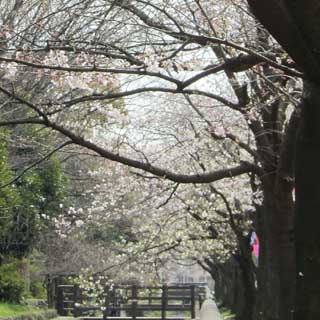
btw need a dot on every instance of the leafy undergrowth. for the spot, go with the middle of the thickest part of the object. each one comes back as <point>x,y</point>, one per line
<point>11,310</point>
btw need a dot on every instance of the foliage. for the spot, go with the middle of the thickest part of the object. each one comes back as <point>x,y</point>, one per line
<point>9,309</point>
<point>37,287</point>
<point>43,191</point>
<point>105,234</point>
<point>28,206</point>
<point>24,312</point>
<point>10,201</point>
<point>8,194</point>
<point>12,282</point>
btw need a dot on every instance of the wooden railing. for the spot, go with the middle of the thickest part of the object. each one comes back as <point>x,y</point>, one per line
<point>133,302</point>
<point>149,299</point>
<point>67,298</point>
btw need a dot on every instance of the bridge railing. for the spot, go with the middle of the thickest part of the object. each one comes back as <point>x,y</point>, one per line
<point>136,301</point>
<point>133,301</point>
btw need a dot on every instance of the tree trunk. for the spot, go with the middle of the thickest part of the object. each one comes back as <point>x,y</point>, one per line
<point>267,304</point>
<point>248,281</point>
<point>295,25</point>
<point>276,269</point>
<point>307,214</point>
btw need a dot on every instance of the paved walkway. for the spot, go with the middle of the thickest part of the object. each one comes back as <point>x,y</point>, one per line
<point>209,311</point>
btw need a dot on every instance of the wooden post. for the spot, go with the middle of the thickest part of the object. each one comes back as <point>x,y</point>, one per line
<point>193,304</point>
<point>60,310</point>
<point>164,301</point>
<point>202,296</point>
<point>56,302</point>
<point>134,303</point>
<point>200,300</point>
<point>149,296</point>
<point>50,291</point>
<point>106,305</point>
<point>76,301</point>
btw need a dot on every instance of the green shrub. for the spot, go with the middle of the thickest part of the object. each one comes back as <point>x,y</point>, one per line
<point>37,281</point>
<point>12,283</point>
<point>37,290</point>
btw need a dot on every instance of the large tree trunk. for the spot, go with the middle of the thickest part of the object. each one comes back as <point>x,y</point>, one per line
<point>295,25</point>
<point>307,214</point>
<point>276,272</point>
<point>248,282</point>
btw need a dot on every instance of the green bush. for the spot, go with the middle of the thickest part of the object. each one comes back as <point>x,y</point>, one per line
<point>37,281</point>
<point>12,284</point>
<point>37,290</point>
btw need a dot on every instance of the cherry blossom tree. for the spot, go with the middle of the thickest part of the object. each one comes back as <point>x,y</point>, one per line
<point>102,62</point>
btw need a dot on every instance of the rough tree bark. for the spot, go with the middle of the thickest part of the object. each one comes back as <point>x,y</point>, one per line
<point>276,260</point>
<point>307,219</point>
<point>295,25</point>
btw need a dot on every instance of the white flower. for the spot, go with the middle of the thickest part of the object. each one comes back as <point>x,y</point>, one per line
<point>79,223</point>
<point>10,71</point>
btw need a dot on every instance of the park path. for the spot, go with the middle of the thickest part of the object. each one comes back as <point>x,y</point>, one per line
<point>210,311</point>
<point>214,312</point>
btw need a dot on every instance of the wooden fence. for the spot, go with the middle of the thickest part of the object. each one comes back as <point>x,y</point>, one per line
<point>68,296</point>
<point>132,302</point>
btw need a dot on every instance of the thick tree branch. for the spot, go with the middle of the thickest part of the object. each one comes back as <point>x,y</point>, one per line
<point>212,176</point>
<point>115,95</point>
<point>179,178</point>
<point>90,69</point>
<point>202,40</point>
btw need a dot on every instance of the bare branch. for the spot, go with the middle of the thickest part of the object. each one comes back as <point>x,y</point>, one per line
<point>170,196</point>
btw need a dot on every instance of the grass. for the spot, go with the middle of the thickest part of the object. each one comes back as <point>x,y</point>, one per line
<point>10,309</point>
<point>226,314</point>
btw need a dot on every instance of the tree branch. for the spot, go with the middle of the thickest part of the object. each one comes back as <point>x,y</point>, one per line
<point>243,168</point>
<point>202,40</point>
